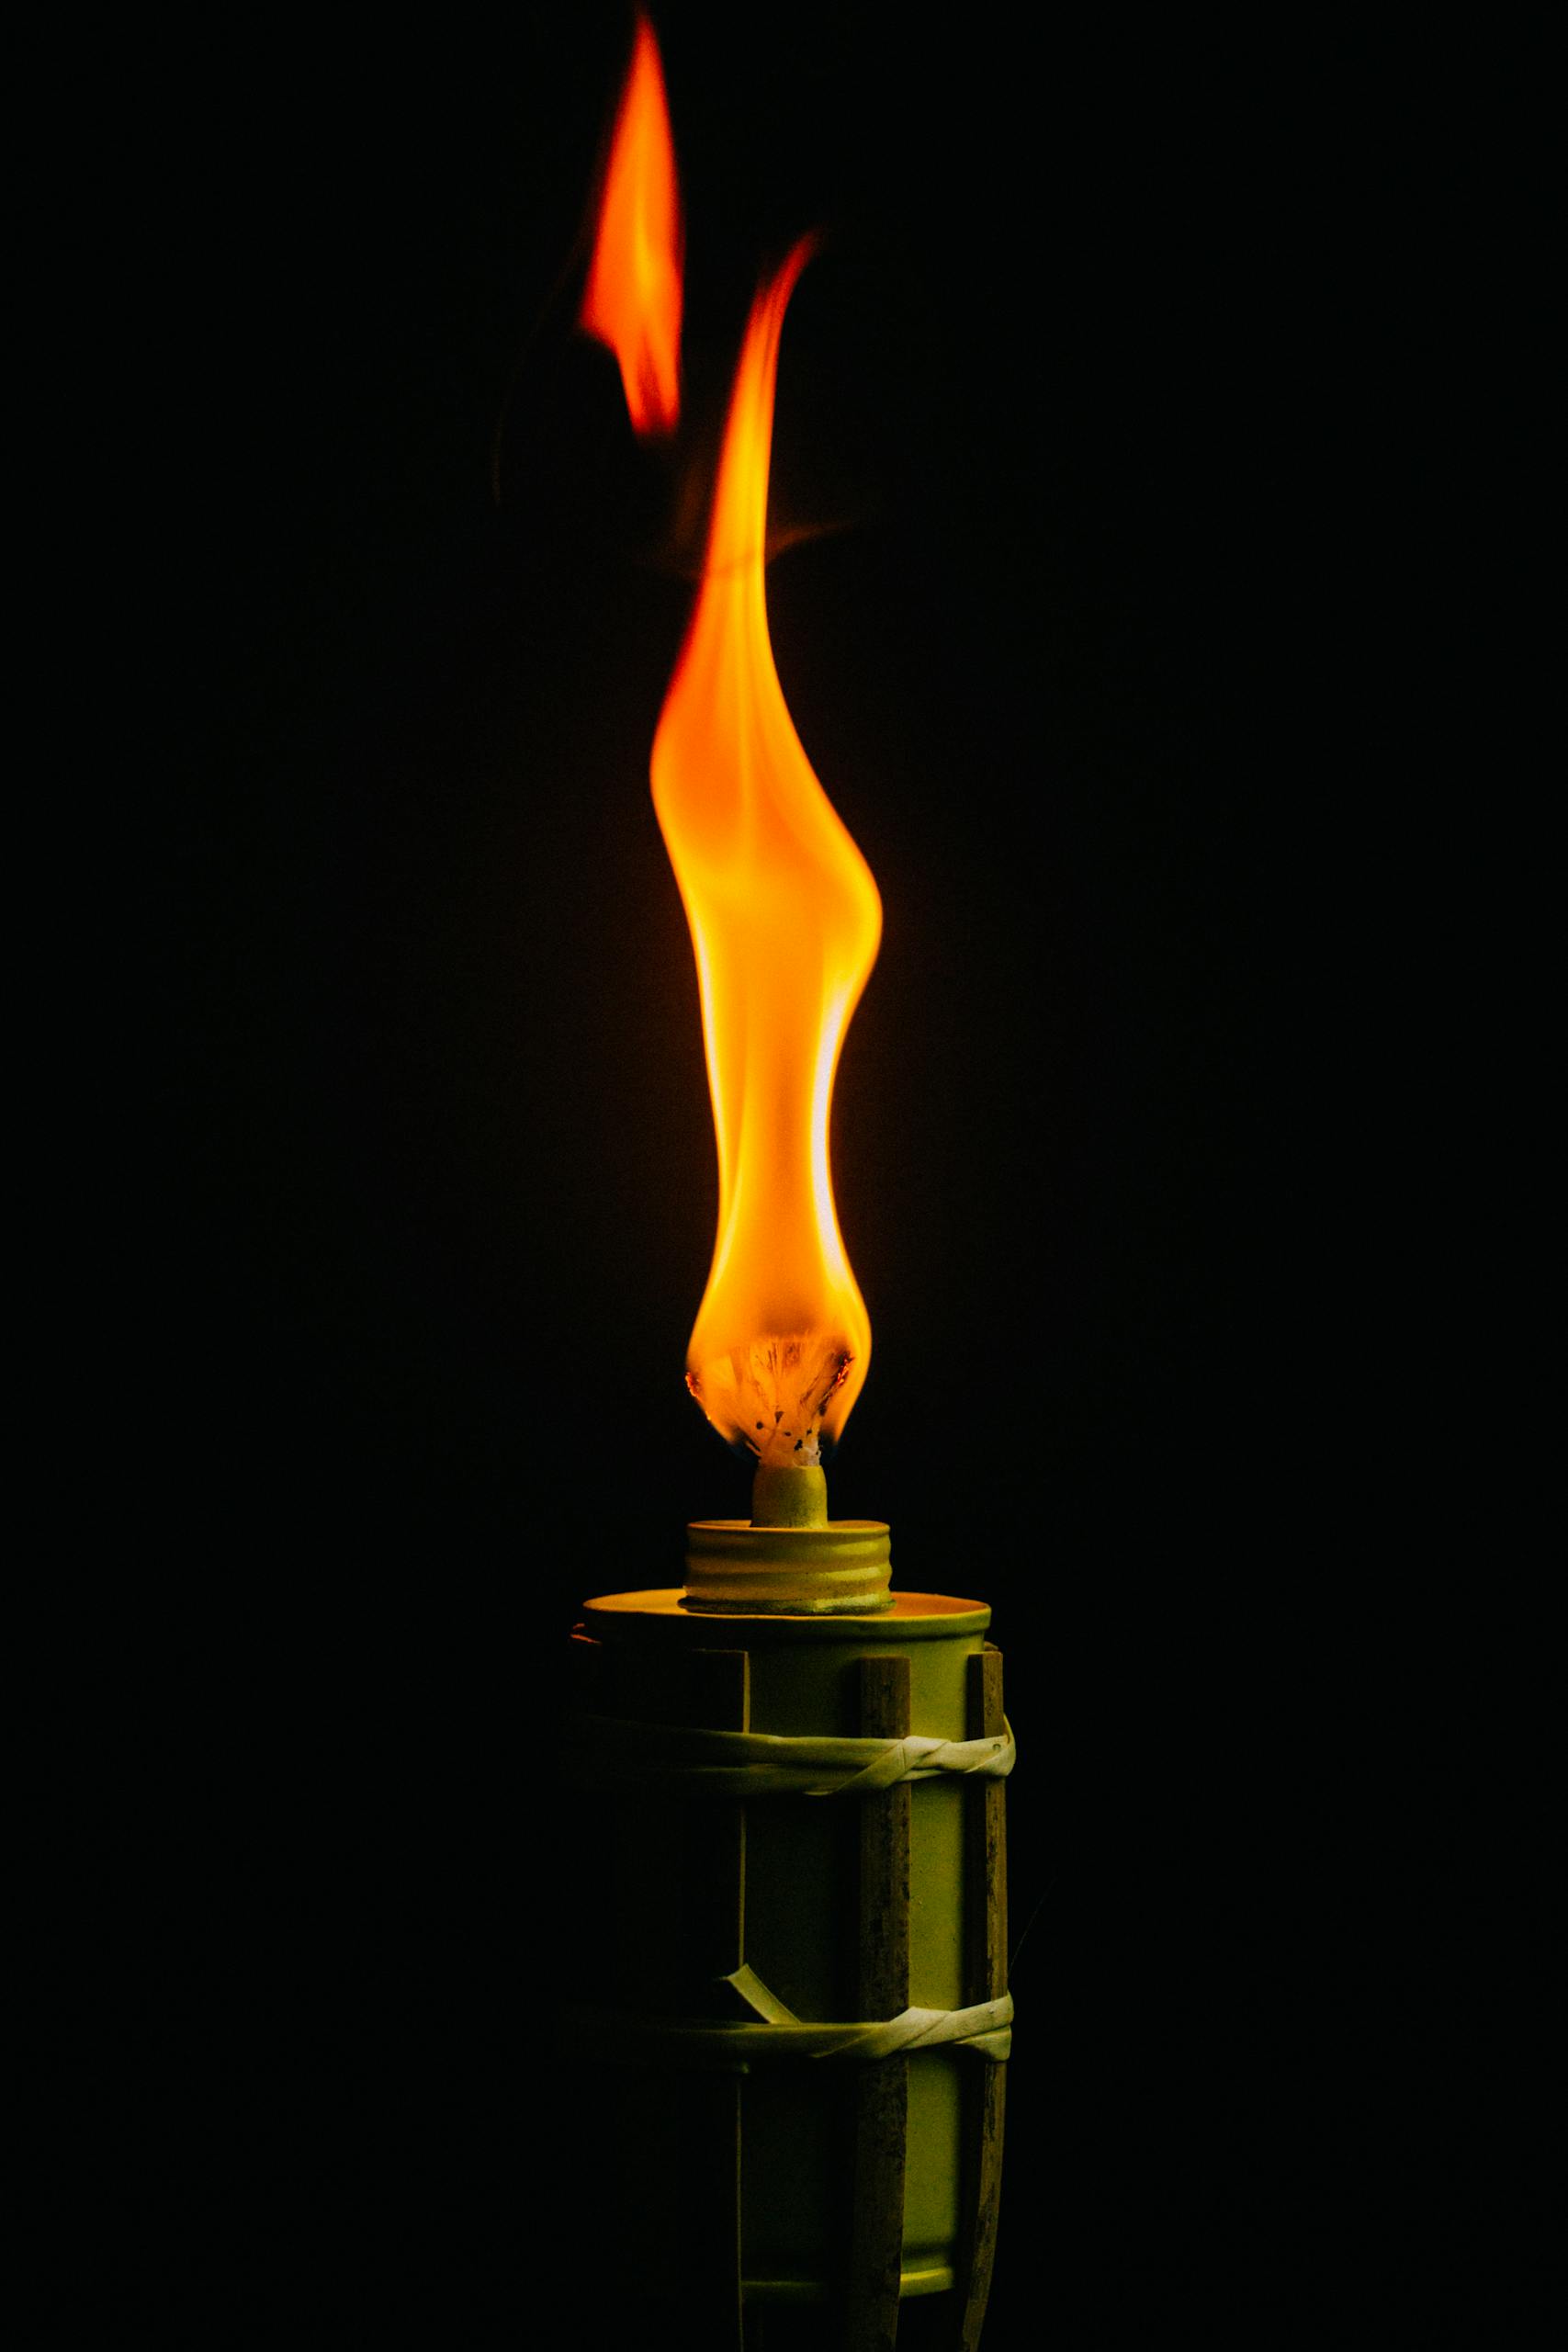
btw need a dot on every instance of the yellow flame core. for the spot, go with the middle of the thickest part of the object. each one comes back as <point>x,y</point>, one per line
<point>785,922</point>
<point>633,298</point>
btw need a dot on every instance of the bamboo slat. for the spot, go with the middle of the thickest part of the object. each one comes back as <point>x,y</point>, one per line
<point>718,1694</point>
<point>881,2094</point>
<point>986,1970</point>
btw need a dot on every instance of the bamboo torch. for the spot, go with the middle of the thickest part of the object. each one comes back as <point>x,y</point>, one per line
<point>794,1774</point>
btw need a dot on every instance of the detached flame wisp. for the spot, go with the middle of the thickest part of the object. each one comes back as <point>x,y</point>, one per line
<point>633,298</point>
<point>785,922</point>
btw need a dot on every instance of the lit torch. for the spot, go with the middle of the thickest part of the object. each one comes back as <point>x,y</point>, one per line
<point>808,1998</point>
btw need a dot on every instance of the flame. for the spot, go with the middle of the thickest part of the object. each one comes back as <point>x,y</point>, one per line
<point>633,297</point>
<point>785,922</point>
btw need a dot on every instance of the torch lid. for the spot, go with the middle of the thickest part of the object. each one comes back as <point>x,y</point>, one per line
<point>661,1617</point>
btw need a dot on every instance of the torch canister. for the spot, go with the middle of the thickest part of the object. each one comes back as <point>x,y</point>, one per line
<point>792,1944</point>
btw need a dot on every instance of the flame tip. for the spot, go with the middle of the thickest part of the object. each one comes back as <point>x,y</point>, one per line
<point>633,298</point>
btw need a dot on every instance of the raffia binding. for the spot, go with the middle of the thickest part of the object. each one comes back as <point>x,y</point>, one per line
<point>603,1751</point>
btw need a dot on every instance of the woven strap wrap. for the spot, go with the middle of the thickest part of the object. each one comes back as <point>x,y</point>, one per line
<point>986,2027</point>
<point>601,1752</point>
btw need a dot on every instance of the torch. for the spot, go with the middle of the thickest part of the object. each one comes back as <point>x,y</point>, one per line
<point>796,1959</point>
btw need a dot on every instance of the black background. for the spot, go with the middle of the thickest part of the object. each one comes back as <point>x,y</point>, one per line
<point>416,1193</point>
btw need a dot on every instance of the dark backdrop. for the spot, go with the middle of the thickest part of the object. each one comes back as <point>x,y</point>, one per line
<point>418,1193</point>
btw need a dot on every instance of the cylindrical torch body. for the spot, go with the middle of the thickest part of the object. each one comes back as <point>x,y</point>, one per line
<point>769,1900</point>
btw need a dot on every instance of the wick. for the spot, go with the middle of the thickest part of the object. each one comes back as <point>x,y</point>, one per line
<point>789,1495</point>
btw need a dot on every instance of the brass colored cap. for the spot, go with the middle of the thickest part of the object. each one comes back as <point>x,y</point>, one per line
<point>840,1568</point>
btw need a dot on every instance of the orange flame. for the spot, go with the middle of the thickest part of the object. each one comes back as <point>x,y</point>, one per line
<point>785,922</point>
<point>633,297</point>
